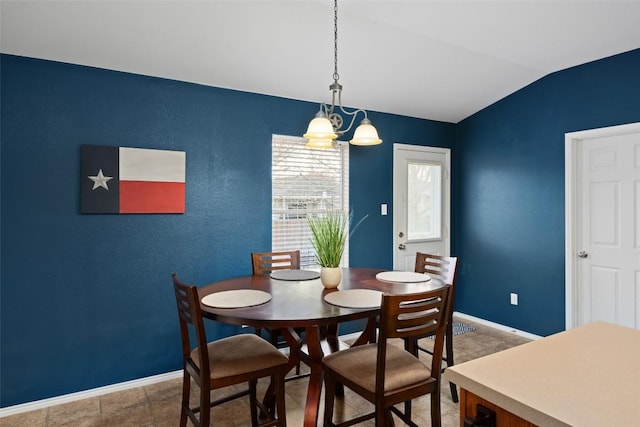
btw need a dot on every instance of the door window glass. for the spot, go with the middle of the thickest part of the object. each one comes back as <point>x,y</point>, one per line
<point>424,200</point>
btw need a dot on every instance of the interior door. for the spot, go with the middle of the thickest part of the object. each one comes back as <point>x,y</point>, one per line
<point>608,264</point>
<point>603,225</point>
<point>421,208</point>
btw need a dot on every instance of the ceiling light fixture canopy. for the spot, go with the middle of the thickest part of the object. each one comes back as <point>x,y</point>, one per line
<point>328,123</point>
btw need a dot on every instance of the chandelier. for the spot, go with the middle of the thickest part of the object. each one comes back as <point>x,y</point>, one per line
<point>328,123</point>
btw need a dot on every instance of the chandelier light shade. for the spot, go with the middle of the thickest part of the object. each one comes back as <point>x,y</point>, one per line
<point>328,124</point>
<point>365,134</point>
<point>320,128</point>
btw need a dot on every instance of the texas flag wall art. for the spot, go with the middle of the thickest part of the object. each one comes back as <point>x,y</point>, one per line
<point>123,180</point>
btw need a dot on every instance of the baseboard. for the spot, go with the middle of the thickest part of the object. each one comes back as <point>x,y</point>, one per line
<point>58,400</point>
<point>141,382</point>
<point>494,325</point>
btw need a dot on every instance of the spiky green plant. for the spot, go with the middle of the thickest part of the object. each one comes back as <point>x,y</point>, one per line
<point>329,233</point>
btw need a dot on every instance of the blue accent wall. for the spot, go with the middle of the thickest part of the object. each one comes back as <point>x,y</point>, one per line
<point>510,201</point>
<point>87,300</point>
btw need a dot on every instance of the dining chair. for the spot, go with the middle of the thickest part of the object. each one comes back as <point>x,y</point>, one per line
<point>386,374</point>
<point>243,358</point>
<point>266,262</point>
<point>444,268</point>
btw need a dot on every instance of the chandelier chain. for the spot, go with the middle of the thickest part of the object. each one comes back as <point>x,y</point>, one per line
<point>336,77</point>
<point>328,123</point>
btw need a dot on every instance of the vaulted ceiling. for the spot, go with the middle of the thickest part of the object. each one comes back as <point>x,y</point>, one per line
<point>440,60</point>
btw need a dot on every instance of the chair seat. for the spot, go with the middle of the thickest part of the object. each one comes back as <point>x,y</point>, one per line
<point>240,354</point>
<point>359,364</point>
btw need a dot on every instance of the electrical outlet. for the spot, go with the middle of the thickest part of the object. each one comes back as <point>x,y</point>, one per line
<point>514,299</point>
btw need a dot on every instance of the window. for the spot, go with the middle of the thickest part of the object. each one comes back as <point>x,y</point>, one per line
<point>305,181</point>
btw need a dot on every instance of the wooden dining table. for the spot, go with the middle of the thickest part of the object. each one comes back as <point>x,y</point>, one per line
<point>301,304</point>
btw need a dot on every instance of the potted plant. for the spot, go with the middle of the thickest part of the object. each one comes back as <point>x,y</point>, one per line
<point>329,233</point>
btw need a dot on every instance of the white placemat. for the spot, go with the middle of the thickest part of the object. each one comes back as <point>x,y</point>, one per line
<point>403,277</point>
<point>294,275</point>
<point>236,299</point>
<point>355,298</point>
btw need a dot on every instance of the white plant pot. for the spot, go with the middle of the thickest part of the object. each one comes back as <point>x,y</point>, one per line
<point>330,276</point>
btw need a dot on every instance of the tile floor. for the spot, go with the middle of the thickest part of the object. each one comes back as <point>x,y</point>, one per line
<point>158,405</point>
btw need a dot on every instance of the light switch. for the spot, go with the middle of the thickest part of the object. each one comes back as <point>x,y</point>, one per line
<point>383,209</point>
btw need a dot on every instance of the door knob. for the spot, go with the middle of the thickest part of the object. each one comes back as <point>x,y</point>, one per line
<point>401,234</point>
<point>402,246</point>
<point>582,254</point>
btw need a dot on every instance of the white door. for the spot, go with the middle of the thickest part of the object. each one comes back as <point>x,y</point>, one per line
<point>606,249</point>
<point>421,208</point>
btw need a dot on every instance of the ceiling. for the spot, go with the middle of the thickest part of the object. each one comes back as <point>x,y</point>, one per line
<point>439,60</point>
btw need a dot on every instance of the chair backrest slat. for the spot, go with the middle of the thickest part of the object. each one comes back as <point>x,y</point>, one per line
<point>414,314</point>
<point>418,318</point>
<point>266,262</point>
<point>442,267</point>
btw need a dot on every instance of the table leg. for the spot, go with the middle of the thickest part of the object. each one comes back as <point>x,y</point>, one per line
<point>368,334</point>
<point>314,390</point>
<point>313,358</point>
<point>295,342</point>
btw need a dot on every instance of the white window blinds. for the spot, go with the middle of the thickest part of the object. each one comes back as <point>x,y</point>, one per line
<point>305,181</point>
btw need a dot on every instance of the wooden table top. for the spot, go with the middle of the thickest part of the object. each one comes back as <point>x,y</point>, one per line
<point>301,303</point>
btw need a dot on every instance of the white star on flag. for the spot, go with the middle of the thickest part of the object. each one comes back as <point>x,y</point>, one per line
<point>100,180</point>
